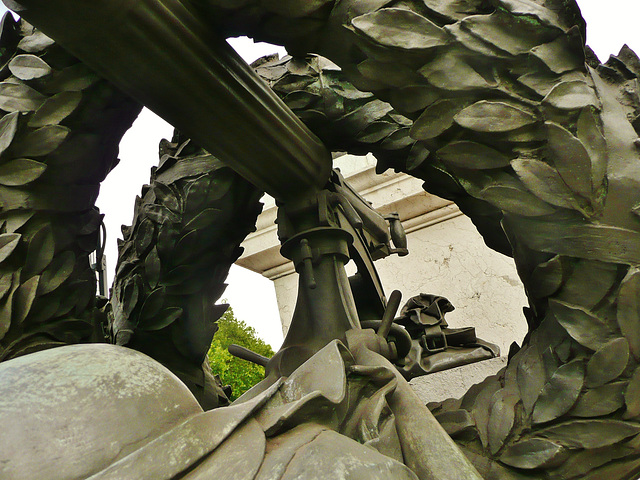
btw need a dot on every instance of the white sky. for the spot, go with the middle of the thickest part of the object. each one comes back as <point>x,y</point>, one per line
<point>610,24</point>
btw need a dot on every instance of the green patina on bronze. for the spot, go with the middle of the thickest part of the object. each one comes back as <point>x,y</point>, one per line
<point>563,204</point>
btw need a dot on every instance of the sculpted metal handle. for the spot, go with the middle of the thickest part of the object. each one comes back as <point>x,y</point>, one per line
<point>206,90</point>
<point>246,354</point>
<point>389,313</point>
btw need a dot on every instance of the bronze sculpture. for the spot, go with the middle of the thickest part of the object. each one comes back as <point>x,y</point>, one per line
<point>499,107</point>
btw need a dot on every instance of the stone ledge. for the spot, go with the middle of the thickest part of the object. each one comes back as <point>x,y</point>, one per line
<point>455,382</point>
<point>389,192</point>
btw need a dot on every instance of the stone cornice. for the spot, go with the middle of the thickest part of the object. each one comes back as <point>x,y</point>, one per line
<point>389,192</point>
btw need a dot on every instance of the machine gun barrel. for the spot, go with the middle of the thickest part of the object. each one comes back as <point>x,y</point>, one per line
<point>164,55</point>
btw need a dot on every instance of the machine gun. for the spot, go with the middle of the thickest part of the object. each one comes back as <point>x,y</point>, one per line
<point>320,235</point>
<point>214,96</point>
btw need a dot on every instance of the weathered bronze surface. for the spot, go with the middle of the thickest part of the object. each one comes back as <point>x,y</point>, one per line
<point>497,105</point>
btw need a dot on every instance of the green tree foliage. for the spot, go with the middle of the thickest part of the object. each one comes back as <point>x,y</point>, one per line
<point>239,374</point>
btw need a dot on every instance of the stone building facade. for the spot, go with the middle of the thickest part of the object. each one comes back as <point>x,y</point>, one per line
<point>447,257</point>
